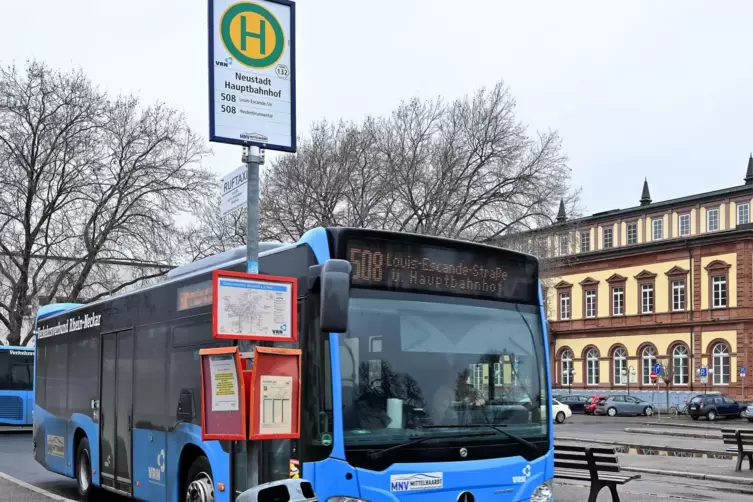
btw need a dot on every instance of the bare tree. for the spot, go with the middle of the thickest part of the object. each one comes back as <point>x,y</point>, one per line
<point>467,169</point>
<point>85,180</point>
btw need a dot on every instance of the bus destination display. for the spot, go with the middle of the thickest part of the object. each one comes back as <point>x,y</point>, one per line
<point>402,266</point>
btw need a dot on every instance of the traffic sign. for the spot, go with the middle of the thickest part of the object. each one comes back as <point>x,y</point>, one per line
<point>252,73</point>
<point>653,376</point>
<point>703,372</point>
<point>234,190</point>
<point>742,371</point>
<point>704,380</point>
<point>657,368</point>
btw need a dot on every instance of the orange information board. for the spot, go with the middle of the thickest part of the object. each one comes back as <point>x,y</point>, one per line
<point>223,394</point>
<point>275,404</point>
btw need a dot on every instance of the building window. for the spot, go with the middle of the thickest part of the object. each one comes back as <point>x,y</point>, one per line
<point>477,376</point>
<point>590,303</point>
<point>657,227</point>
<point>680,365</point>
<point>564,245</point>
<point>712,220</point>
<point>648,359</point>
<point>498,379</point>
<point>620,364</point>
<point>567,367</point>
<point>647,298</point>
<point>585,241</point>
<point>720,363</point>
<point>678,295</point>
<point>719,291</point>
<point>592,367</point>
<point>564,306</point>
<point>684,225</point>
<point>608,241</point>
<point>743,214</point>
<point>618,300</point>
<point>632,233</point>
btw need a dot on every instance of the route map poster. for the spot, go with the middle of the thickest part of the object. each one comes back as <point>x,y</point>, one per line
<point>254,307</point>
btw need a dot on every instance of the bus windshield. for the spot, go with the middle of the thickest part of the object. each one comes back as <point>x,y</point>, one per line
<point>416,364</point>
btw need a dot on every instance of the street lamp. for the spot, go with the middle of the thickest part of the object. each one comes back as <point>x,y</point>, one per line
<point>624,373</point>
<point>571,373</point>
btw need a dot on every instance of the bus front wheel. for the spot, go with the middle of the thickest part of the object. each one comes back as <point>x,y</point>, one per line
<point>199,484</point>
<point>84,468</point>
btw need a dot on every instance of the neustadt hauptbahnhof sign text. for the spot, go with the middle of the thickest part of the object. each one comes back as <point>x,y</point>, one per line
<point>252,73</point>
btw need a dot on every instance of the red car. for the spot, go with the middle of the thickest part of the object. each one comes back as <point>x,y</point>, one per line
<point>590,406</point>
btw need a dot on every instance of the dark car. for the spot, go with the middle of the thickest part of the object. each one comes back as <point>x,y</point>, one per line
<point>590,407</point>
<point>715,406</point>
<point>576,402</point>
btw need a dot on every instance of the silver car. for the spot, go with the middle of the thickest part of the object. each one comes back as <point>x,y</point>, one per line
<point>749,413</point>
<point>623,405</point>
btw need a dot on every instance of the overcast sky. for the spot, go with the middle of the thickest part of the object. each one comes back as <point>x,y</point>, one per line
<point>636,88</point>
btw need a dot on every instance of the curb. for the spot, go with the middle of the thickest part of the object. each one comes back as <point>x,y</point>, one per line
<point>714,426</point>
<point>659,432</point>
<point>34,489</point>
<point>693,475</point>
<point>642,446</point>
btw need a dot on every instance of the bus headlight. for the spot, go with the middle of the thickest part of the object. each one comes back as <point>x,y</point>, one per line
<point>542,493</point>
<point>342,498</point>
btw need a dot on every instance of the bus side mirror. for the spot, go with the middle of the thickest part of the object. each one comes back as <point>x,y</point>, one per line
<point>335,296</point>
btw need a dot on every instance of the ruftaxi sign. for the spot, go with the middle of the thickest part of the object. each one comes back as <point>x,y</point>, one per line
<point>252,73</point>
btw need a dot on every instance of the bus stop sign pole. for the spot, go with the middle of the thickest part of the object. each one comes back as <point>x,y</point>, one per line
<point>252,157</point>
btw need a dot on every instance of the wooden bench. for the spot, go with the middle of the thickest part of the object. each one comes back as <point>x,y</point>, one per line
<point>742,440</point>
<point>599,465</point>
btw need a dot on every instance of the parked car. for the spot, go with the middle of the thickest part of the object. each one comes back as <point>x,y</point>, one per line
<point>623,405</point>
<point>560,411</point>
<point>576,402</point>
<point>713,406</point>
<point>749,413</point>
<point>590,405</point>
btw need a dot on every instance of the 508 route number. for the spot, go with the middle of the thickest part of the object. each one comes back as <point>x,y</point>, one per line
<point>228,109</point>
<point>227,97</point>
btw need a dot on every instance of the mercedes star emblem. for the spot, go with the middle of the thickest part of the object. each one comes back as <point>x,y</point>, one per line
<point>466,497</point>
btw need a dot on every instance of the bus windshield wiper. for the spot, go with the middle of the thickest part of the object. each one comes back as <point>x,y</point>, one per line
<point>498,428</point>
<point>380,453</point>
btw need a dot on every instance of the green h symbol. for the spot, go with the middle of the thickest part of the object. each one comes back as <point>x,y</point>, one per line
<point>261,35</point>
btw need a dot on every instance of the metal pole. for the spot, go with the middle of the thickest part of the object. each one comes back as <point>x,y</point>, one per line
<point>252,158</point>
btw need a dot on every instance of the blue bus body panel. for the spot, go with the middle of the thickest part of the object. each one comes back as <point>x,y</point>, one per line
<point>500,480</point>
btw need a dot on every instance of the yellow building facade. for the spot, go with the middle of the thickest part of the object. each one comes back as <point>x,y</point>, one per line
<point>666,282</point>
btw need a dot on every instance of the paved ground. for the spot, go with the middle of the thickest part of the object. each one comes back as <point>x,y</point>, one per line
<point>16,461</point>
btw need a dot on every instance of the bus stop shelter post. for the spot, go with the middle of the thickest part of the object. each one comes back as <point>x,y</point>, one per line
<point>252,157</point>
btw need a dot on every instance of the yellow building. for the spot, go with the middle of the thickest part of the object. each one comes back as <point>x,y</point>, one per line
<point>662,282</point>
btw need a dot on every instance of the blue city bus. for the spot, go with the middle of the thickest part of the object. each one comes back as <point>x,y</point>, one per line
<point>434,384</point>
<point>16,385</point>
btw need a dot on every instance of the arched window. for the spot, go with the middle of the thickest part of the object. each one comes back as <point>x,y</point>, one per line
<point>592,367</point>
<point>649,359</point>
<point>720,364</point>
<point>680,365</point>
<point>567,366</point>
<point>620,364</point>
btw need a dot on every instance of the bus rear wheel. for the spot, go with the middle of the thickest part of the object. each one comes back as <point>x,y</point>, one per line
<point>199,484</point>
<point>84,469</point>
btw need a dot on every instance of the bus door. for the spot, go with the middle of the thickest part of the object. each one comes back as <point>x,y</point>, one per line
<point>116,405</point>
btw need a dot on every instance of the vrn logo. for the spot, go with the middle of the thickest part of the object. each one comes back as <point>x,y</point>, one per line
<point>225,64</point>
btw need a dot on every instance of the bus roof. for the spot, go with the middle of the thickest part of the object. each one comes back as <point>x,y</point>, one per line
<point>16,347</point>
<point>55,308</point>
<point>218,260</point>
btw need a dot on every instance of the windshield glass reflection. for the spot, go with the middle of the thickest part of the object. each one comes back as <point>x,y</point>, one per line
<point>415,365</point>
